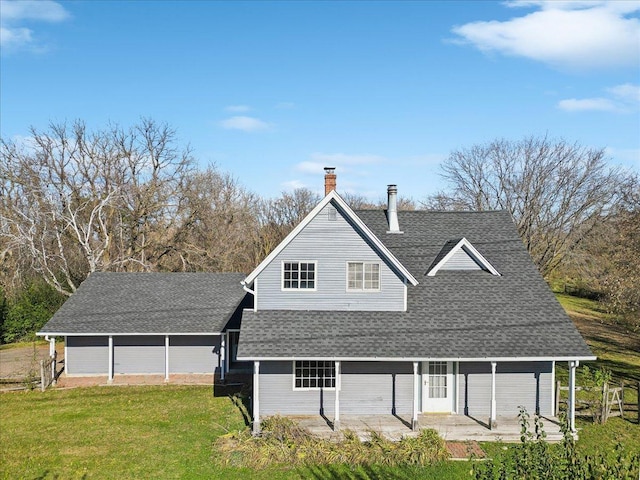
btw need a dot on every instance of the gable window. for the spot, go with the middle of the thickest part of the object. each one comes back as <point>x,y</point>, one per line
<point>363,276</point>
<point>299,275</point>
<point>310,374</point>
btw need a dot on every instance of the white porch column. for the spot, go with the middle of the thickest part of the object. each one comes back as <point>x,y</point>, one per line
<point>110,379</point>
<point>256,398</point>
<point>223,355</point>
<point>416,389</point>
<point>493,423</point>
<point>166,358</point>
<point>336,407</point>
<point>52,354</point>
<point>227,356</point>
<point>572,394</point>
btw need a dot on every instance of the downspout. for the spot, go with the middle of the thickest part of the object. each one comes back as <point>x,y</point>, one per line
<point>247,289</point>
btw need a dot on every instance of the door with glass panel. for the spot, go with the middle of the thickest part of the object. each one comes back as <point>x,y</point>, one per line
<point>437,387</point>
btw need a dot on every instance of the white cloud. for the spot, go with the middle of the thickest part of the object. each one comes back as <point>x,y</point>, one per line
<point>622,99</point>
<point>627,92</point>
<point>246,124</point>
<point>587,104</point>
<point>14,35</point>
<point>238,108</point>
<point>565,34</point>
<point>293,185</point>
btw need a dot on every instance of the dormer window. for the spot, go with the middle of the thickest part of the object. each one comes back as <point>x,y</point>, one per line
<point>363,276</point>
<point>299,275</point>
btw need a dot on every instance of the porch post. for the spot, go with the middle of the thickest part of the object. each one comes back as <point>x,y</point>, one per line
<point>223,355</point>
<point>336,408</point>
<point>166,358</point>
<point>493,423</point>
<point>256,398</point>
<point>416,388</point>
<point>52,355</point>
<point>572,394</point>
<point>227,356</point>
<point>110,379</point>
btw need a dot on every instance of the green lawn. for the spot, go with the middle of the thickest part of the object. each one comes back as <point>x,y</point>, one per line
<point>142,432</point>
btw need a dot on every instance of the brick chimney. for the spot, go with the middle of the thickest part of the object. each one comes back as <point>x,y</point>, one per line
<point>329,179</point>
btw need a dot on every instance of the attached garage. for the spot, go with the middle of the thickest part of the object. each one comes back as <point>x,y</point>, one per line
<point>194,353</point>
<point>87,355</point>
<point>148,323</point>
<point>138,354</point>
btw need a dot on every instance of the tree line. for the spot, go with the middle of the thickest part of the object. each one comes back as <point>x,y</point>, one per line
<point>74,201</point>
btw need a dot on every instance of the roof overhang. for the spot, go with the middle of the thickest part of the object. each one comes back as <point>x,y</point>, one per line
<point>428,359</point>
<point>120,334</point>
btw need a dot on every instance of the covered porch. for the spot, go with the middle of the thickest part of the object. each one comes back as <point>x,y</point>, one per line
<point>449,427</point>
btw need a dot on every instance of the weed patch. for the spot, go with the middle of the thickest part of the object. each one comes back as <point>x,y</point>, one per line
<point>284,442</point>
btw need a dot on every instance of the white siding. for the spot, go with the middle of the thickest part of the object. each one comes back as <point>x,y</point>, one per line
<point>332,243</point>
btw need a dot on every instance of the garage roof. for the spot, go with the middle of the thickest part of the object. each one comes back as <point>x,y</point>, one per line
<point>146,303</point>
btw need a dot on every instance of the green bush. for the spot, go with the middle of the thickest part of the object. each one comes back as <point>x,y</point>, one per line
<point>27,311</point>
<point>535,459</point>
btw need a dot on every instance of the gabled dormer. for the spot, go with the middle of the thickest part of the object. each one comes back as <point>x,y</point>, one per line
<point>330,261</point>
<point>460,254</point>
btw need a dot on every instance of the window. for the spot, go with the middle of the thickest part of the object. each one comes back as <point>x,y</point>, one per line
<point>299,275</point>
<point>363,276</point>
<point>310,374</point>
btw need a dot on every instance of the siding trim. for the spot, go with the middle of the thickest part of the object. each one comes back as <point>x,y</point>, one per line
<point>465,245</point>
<point>427,359</point>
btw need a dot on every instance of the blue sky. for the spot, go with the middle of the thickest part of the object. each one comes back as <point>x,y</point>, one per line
<point>273,91</point>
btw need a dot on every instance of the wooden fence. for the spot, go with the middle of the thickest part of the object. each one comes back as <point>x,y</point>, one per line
<point>48,374</point>
<point>609,402</point>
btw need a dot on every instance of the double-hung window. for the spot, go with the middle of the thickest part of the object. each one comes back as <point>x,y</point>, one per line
<point>299,275</point>
<point>313,374</point>
<point>363,276</point>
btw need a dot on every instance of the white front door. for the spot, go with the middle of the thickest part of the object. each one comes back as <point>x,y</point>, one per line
<point>437,387</point>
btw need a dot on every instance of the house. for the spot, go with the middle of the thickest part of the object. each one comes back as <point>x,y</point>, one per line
<point>355,312</point>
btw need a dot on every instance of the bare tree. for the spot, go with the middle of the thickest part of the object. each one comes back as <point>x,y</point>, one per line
<point>74,201</point>
<point>556,191</point>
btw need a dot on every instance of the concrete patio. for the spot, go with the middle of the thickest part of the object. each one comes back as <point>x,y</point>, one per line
<point>449,427</point>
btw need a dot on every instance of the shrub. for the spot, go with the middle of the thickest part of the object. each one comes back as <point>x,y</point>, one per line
<point>284,442</point>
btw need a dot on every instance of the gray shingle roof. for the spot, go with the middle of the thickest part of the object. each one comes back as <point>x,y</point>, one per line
<point>450,315</point>
<point>149,303</point>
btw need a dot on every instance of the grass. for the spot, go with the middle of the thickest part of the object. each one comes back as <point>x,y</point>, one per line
<point>145,432</point>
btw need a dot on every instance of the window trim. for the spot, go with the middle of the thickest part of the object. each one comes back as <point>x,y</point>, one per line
<point>298,289</point>
<point>362,289</point>
<point>303,389</point>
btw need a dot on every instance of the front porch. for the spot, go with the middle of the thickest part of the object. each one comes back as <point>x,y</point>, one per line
<point>449,427</point>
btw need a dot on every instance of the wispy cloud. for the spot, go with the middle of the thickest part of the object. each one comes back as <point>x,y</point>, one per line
<point>342,161</point>
<point>246,124</point>
<point>293,185</point>
<point>621,99</point>
<point>238,108</point>
<point>14,35</point>
<point>564,34</point>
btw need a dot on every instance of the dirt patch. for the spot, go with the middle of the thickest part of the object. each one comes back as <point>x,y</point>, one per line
<point>19,363</point>
<point>606,332</point>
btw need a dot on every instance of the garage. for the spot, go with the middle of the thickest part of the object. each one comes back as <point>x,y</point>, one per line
<point>194,353</point>
<point>87,355</point>
<point>138,354</point>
